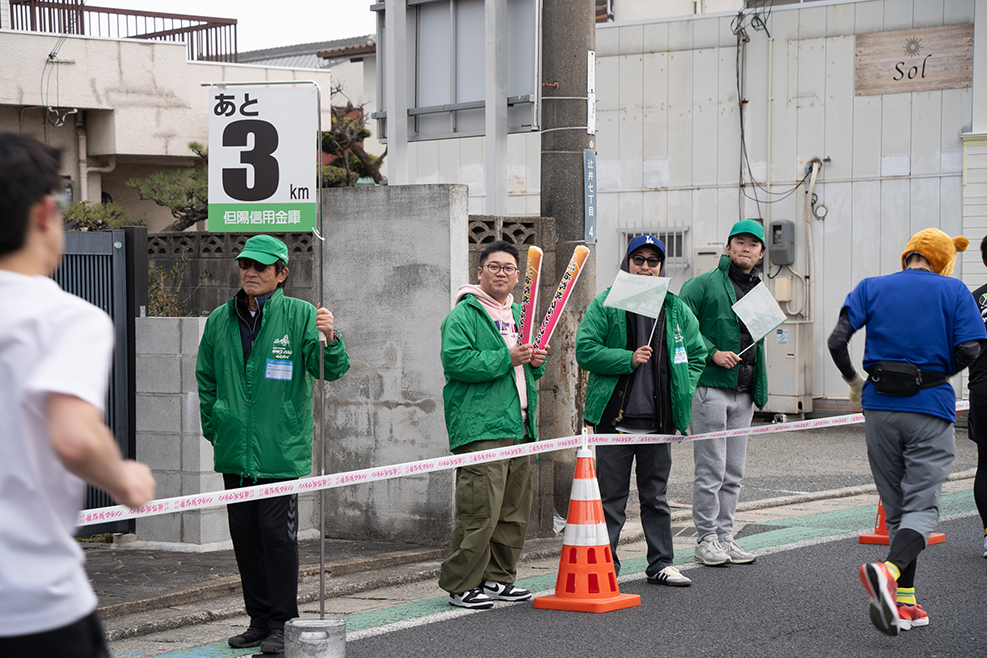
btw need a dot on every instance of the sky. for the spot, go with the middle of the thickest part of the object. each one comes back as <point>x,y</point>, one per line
<point>271,24</point>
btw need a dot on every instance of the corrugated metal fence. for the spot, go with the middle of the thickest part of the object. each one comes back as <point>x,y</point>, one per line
<point>109,270</point>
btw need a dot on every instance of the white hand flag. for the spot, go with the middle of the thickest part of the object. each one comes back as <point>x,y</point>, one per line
<point>643,295</point>
<point>759,312</point>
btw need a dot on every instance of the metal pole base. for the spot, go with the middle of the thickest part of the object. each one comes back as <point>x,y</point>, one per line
<point>315,638</point>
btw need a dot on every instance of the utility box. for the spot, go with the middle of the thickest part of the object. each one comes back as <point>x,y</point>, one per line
<point>706,258</point>
<point>781,242</point>
<point>788,351</point>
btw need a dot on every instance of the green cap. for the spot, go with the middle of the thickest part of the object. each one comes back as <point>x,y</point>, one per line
<point>264,249</point>
<point>751,226</point>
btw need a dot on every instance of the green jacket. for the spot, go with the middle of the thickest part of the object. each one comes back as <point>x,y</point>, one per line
<point>258,415</point>
<point>601,348</point>
<point>480,395</point>
<point>711,296</point>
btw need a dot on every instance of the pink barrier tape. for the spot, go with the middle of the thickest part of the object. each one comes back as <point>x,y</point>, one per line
<point>335,480</point>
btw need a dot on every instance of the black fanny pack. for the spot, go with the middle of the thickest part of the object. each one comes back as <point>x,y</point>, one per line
<point>902,379</point>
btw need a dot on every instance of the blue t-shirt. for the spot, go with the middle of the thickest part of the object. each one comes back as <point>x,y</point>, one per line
<point>917,317</point>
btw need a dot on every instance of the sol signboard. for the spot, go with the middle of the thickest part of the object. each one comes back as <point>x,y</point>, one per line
<point>914,60</point>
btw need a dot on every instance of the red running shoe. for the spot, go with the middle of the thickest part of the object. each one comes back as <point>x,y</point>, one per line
<point>881,588</point>
<point>911,616</point>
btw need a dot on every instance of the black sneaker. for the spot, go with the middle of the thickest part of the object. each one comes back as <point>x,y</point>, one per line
<point>473,598</point>
<point>505,591</point>
<point>274,642</point>
<point>252,637</point>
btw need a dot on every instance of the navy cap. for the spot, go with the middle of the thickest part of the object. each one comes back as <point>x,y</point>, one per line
<point>646,240</point>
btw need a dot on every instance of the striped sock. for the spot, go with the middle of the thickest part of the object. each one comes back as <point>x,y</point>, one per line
<point>906,595</point>
<point>895,571</point>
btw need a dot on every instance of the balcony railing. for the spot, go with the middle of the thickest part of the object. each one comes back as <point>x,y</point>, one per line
<point>207,39</point>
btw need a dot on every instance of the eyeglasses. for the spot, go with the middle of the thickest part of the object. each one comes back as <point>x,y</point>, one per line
<point>638,259</point>
<point>494,268</point>
<point>246,264</point>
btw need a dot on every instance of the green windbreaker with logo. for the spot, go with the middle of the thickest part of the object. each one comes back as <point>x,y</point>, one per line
<point>601,348</point>
<point>258,415</point>
<point>480,396</point>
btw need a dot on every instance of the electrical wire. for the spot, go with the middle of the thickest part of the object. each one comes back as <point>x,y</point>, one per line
<point>50,62</point>
<point>759,17</point>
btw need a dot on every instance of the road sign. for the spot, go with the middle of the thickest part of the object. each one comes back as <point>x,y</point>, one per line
<point>589,195</point>
<point>263,159</point>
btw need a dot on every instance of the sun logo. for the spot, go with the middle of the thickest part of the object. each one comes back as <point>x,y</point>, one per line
<point>913,47</point>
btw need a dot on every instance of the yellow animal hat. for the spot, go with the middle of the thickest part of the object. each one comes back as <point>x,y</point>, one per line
<point>937,248</point>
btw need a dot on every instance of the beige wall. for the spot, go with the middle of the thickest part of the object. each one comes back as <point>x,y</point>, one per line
<point>141,103</point>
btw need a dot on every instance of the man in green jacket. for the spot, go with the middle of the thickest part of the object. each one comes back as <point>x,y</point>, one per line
<point>734,381</point>
<point>637,386</point>
<point>490,402</point>
<point>258,358</point>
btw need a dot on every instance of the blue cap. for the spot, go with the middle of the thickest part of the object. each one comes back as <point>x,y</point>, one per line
<point>646,240</point>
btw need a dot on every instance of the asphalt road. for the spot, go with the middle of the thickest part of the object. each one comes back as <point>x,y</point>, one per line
<point>804,600</point>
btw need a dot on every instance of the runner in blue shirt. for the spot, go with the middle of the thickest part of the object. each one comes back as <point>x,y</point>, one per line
<point>922,328</point>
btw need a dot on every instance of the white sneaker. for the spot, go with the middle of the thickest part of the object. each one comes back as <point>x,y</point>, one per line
<point>736,553</point>
<point>711,553</point>
<point>669,576</point>
<point>473,598</point>
<point>504,591</point>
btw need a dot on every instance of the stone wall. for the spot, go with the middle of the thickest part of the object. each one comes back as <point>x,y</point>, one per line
<point>169,440</point>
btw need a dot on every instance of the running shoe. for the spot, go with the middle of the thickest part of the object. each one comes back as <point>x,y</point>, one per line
<point>710,552</point>
<point>736,553</point>
<point>910,616</point>
<point>881,588</point>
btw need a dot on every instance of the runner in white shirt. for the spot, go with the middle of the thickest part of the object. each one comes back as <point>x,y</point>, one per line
<point>55,352</point>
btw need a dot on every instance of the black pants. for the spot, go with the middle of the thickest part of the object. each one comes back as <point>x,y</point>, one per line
<point>83,639</point>
<point>613,472</point>
<point>977,420</point>
<point>265,541</point>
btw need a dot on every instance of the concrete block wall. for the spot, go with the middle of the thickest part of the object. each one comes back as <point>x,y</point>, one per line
<point>169,440</point>
<point>394,258</point>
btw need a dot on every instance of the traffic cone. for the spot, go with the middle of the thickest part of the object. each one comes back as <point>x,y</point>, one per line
<point>587,581</point>
<point>880,534</point>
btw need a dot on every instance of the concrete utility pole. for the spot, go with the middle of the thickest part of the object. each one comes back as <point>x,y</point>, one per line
<point>568,33</point>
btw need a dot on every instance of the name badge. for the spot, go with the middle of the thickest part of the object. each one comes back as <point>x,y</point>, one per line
<point>680,355</point>
<point>278,369</point>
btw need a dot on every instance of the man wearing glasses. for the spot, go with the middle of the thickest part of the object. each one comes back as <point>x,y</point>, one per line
<point>257,361</point>
<point>490,401</point>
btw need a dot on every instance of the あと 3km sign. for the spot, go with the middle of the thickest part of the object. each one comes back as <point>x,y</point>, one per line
<point>263,159</point>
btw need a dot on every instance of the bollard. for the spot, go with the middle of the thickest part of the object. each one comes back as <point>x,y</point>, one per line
<point>315,638</point>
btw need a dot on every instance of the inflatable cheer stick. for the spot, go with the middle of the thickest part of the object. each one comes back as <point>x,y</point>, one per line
<point>529,298</point>
<point>561,296</point>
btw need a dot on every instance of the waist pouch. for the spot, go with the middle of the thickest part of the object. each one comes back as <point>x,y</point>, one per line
<point>902,379</point>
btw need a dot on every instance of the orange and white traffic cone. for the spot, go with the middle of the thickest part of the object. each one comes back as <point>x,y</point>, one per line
<point>880,534</point>
<point>587,581</point>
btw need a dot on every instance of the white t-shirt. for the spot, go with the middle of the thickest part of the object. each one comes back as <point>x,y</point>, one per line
<point>50,341</point>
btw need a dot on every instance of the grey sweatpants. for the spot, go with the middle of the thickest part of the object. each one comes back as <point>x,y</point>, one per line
<point>719,462</point>
<point>910,457</point>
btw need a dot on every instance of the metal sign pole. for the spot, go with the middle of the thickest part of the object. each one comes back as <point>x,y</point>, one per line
<point>323,340</point>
